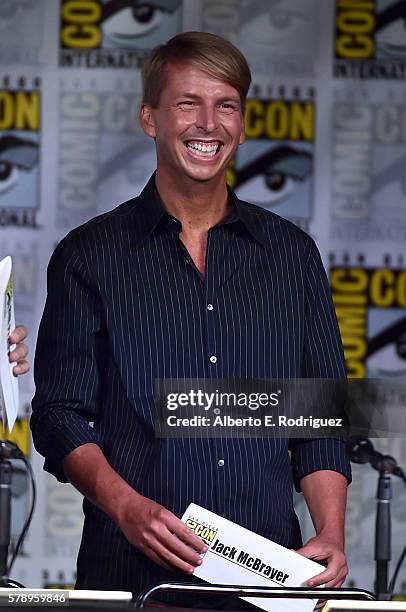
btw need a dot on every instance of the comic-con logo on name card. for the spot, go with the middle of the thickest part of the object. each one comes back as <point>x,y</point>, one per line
<point>20,124</point>
<point>114,33</point>
<point>368,196</point>
<point>370,304</point>
<point>370,39</point>
<point>206,532</point>
<point>104,156</point>
<point>274,167</point>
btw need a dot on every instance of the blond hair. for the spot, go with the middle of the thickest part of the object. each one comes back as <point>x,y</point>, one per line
<point>212,54</point>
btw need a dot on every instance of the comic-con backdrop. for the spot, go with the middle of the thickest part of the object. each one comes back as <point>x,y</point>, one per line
<point>326,148</point>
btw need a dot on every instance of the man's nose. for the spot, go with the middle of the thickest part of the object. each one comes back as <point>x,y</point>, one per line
<point>207,118</point>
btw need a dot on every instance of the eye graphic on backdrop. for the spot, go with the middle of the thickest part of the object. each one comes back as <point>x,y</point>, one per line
<point>273,177</point>
<point>270,23</point>
<point>8,175</point>
<point>389,187</point>
<point>391,30</point>
<point>126,171</point>
<point>401,344</point>
<point>283,19</point>
<point>9,9</point>
<point>16,154</point>
<point>125,21</point>
<point>388,347</point>
<point>134,163</point>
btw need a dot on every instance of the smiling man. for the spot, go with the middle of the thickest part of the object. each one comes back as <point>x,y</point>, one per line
<point>184,281</point>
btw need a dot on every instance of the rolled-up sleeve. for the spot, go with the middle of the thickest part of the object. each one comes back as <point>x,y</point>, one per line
<point>323,358</point>
<point>320,454</point>
<point>66,368</point>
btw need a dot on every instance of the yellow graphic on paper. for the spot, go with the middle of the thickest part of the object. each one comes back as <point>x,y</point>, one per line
<point>205,532</point>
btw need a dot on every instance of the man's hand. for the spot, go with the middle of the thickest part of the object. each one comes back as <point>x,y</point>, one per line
<point>325,550</point>
<point>325,492</point>
<point>150,527</point>
<point>159,534</point>
<point>20,351</point>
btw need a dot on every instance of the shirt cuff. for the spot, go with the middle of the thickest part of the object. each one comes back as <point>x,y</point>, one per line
<point>321,454</point>
<point>59,434</point>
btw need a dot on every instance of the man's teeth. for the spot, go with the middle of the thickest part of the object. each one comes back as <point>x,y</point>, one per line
<point>207,149</point>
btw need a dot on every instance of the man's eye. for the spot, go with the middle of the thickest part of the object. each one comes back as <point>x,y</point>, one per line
<point>186,103</point>
<point>227,106</point>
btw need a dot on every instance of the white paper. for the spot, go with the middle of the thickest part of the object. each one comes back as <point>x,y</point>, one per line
<point>9,400</point>
<point>241,557</point>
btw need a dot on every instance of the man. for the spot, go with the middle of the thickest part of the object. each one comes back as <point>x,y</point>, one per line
<point>184,281</point>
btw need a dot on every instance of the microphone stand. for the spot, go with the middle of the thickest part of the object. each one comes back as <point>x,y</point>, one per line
<point>5,507</point>
<point>383,535</point>
<point>360,450</point>
<point>7,450</point>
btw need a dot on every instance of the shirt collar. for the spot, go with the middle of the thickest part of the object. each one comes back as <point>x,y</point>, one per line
<point>248,215</point>
<point>151,211</point>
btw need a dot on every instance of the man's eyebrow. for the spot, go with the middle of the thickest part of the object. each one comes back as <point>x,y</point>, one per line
<point>222,99</point>
<point>230,99</point>
<point>185,94</point>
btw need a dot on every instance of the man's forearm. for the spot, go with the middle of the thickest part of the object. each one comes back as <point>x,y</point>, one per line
<point>88,470</point>
<point>325,493</point>
<point>146,524</point>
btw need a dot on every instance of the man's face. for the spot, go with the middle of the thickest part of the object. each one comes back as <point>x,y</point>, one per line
<point>197,126</point>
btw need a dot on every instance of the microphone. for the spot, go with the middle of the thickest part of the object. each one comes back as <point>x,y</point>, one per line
<point>9,450</point>
<point>361,450</point>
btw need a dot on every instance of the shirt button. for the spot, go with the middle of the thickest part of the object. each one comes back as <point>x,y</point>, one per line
<point>213,359</point>
<point>210,306</point>
<point>220,462</point>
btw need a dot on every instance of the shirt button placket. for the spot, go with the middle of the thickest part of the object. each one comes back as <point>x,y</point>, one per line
<point>220,462</point>
<point>213,358</point>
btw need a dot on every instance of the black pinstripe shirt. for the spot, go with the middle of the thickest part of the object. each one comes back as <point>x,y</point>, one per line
<point>125,306</point>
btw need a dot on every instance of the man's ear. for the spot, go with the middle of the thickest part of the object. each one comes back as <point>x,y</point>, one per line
<point>147,120</point>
